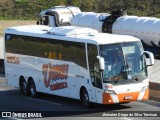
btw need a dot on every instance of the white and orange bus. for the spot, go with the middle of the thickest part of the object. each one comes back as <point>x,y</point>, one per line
<point>77,63</point>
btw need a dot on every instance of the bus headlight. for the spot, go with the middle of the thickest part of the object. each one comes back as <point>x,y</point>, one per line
<point>144,88</point>
<point>110,91</point>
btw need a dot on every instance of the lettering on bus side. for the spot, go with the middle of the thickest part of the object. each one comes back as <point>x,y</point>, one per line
<point>12,59</point>
<point>55,73</point>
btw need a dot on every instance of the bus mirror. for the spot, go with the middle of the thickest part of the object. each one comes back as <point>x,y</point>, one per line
<point>38,22</point>
<point>150,56</point>
<point>101,63</point>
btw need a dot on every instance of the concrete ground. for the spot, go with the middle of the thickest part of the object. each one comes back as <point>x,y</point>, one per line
<point>155,81</point>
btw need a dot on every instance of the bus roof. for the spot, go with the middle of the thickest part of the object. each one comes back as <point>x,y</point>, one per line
<point>70,33</point>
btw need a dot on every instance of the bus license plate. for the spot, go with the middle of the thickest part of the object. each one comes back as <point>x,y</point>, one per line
<point>128,97</point>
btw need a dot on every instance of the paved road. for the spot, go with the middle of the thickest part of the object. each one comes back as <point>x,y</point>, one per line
<point>12,100</point>
<point>155,71</point>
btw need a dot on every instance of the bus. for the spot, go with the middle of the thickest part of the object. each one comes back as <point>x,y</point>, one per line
<point>1,56</point>
<point>77,63</point>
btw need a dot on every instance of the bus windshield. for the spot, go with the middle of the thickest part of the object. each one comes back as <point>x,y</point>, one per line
<point>124,62</point>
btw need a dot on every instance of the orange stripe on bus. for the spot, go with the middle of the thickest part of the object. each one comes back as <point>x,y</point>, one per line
<point>146,95</point>
<point>122,96</point>
<point>107,99</point>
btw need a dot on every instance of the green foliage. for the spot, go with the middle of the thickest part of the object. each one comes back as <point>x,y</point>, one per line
<point>29,9</point>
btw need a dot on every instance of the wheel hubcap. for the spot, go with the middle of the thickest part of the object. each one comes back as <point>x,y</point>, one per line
<point>85,98</point>
<point>32,90</point>
<point>24,87</point>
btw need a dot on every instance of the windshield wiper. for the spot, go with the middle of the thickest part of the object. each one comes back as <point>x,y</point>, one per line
<point>136,79</point>
<point>129,73</point>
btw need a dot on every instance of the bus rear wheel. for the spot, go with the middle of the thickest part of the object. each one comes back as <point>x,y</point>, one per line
<point>85,98</point>
<point>32,89</point>
<point>24,87</point>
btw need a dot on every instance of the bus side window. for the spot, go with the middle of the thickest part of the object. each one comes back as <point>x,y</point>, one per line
<point>52,55</point>
<point>60,56</point>
<point>97,74</point>
<point>93,63</point>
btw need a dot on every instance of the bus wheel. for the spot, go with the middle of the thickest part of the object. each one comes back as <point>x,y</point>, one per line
<point>85,98</point>
<point>32,89</point>
<point>24,88</point>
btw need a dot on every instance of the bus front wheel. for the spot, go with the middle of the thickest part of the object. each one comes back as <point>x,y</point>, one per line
<point>85,98</point>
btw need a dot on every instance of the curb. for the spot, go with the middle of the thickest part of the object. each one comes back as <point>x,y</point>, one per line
<point>154,93</point>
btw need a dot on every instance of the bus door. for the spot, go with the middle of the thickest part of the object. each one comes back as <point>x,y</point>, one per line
<point>95,73</point>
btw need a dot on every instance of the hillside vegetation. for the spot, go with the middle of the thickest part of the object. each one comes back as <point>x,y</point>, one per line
<point>10,23</point>
<point>29,9</point>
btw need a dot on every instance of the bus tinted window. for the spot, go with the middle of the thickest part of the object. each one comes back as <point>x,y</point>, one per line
<point>47,48</point>
<point>92,54</point>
